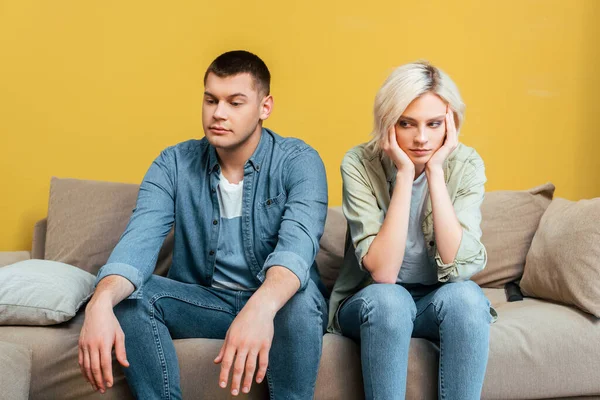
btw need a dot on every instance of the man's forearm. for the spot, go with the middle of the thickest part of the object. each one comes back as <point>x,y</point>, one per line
<point>279,286</point>
<point>111,290</point>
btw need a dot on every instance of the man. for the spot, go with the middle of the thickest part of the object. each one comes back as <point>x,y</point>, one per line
<point>249,209</point>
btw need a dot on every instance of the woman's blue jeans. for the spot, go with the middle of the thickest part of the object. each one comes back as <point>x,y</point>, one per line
<point>383,317</point>
<point>171,310</point>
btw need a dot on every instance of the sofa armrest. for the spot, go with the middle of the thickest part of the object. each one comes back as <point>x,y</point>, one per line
<point>11,257</point>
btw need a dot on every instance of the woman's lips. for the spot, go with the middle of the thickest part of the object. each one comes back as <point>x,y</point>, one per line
<point>420,152</point>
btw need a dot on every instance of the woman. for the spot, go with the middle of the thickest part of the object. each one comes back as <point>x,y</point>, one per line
<point>412,199</point>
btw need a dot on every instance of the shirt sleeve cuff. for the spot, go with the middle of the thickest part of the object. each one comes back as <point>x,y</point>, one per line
<point>471,258</point>
<point>362,249</point>
<point>128,272</point>
<point>289,260</point>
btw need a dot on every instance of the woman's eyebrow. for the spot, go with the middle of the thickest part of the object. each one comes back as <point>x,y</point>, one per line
<point>429,120</point>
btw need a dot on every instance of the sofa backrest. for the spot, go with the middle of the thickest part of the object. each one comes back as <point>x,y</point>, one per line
<point>86,219</point>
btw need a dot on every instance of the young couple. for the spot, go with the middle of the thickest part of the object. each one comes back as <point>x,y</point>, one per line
<point>248,208</point>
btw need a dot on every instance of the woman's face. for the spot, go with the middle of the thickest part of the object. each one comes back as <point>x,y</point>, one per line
<point>421,129</point>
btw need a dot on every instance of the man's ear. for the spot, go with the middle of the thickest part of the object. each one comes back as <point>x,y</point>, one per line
<point>266,107</point>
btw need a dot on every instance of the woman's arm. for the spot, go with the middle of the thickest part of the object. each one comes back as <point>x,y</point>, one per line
<point>460,253</point>
<point>447,228</point>
<point>386,253</point>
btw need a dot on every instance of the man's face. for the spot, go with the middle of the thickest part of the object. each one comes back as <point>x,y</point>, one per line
<point>232,110</point>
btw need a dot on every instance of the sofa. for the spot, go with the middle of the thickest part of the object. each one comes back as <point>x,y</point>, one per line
<point>540,348</point>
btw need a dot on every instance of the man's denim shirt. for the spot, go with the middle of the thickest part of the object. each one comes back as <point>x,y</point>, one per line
<point>283,213</point>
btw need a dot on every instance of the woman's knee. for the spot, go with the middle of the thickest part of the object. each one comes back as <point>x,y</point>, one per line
<point>387,303</point>
<point>464,300</point>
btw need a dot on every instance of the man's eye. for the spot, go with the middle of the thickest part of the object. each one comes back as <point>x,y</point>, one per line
<point>235,104</point>
<point>210,101</point>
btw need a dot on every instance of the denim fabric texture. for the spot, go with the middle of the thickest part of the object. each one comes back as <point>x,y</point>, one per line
<point>383,317</point>
<point>284,206</point>
<point>283,213</point>
<point>174,310</point>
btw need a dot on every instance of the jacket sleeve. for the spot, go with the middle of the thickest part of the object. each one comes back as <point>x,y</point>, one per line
<point>360,207</point>
<point>471,256</point>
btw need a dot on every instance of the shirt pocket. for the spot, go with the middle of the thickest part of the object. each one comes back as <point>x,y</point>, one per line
<point>270,212</point>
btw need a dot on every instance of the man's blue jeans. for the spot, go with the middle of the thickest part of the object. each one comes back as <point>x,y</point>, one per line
<point>171,310</point>
<point>383,318</point>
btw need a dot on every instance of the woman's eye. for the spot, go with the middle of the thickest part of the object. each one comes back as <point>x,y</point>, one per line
<point>435,124</point>
<point>403,124</point>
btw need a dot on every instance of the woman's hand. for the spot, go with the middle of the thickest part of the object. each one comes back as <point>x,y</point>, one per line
<point>450,143</point>
<point>389,145</point>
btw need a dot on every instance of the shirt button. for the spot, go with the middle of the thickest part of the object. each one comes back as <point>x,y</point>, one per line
<point>211,253</point>
<point>258,167</point>
<point>431,243</point>
<point>215,222</point>
<point>268,202</point>
<point>214,190</point>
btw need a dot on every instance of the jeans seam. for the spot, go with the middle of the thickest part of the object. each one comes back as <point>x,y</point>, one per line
<point>159,296</point>
<point>161,355</point>
<point>368,307</point>
<point>270,384</point>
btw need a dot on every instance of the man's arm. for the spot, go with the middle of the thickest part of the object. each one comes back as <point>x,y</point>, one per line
<point>285,271</point>
<point>249,337</point>
<point>130,264</point>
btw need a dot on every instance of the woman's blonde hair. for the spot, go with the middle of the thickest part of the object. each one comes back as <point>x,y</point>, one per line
<point>405,84</point>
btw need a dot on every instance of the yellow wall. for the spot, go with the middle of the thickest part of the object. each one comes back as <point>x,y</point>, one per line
<point>95,89</point>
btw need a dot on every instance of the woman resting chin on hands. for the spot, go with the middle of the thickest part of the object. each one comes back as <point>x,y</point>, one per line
<point>412,198</point>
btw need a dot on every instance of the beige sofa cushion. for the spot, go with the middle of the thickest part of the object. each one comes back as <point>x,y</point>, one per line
<point>330,256</point>
<point>15,375</point>
<point>563,263</point>
<point>11,257</point>
<point>41,292</point>
<point>87,218</point>
<point>540,349</point>
<point>509,221</point>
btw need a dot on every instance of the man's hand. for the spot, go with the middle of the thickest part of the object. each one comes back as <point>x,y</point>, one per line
<point>246,345</point>
<point>100,332</point>
<point>450,143</point>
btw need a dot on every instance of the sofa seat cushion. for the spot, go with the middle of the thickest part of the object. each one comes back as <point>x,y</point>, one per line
<point>15,364</point>
<point>540,349</point>
<point>55,370</point>
<point>537,350</point>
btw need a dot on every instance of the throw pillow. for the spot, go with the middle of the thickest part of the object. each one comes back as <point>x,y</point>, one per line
<point>509,220</point>
<point>563,264</point>
<point>40,292</point>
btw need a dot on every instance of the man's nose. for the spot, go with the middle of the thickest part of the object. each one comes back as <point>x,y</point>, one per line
<point>220,111</point>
